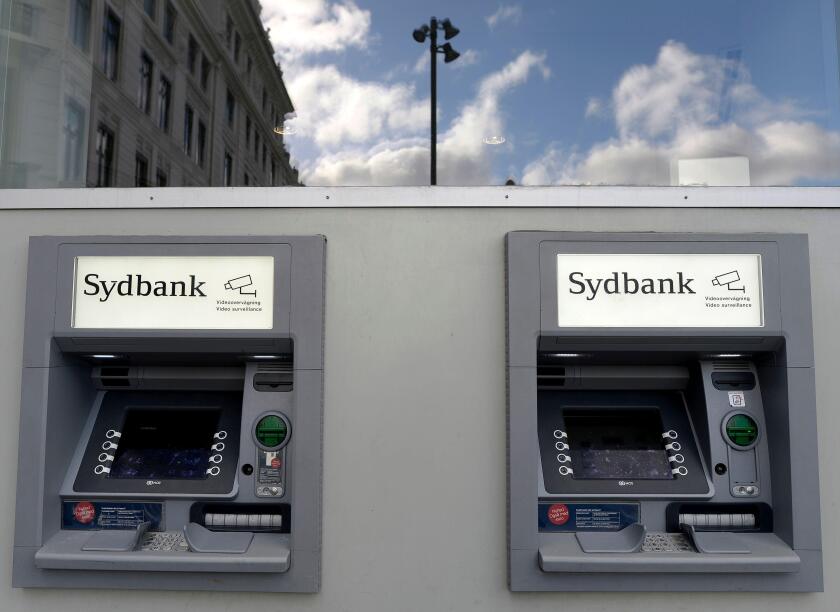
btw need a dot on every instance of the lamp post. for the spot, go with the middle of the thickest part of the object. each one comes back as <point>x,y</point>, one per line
<point>430,31</point>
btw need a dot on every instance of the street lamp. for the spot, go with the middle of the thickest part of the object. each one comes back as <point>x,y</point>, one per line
<point>430,31</point>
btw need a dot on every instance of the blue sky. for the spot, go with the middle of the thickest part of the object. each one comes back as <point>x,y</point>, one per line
<point>596,91</point>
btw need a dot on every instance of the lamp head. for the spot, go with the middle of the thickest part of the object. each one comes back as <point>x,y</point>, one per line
<point>449,54</point>
<point>421,33</point>
<point>449,30</point>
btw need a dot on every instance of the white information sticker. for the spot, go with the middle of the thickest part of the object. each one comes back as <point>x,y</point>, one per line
<point>128,292</point>
<point>659,290</point>
<point>736,399</point>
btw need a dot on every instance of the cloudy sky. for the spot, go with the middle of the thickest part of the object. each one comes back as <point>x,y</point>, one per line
<point>602,91</point>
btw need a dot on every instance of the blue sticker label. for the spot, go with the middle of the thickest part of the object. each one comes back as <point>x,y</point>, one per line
<point>586,516</point>
<point>109,515</point>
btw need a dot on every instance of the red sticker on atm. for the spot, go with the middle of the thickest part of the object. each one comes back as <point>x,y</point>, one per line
<point>558,514</point>
<point>275,463</point>
<point>84,512</point>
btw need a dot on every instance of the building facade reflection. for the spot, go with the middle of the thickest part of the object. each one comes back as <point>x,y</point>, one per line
<point>99,93</point>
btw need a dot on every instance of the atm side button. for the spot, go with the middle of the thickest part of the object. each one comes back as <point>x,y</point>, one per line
<point>253,520</point>
<point>265,520</point>
<point>276,520</point>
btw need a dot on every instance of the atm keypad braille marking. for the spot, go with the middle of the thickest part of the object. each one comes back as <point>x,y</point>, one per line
<point>658,542</point>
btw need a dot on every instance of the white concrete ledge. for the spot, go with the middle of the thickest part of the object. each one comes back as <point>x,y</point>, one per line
<point>393,197</point>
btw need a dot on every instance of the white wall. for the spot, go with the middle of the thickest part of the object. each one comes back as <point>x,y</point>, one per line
<point>414,489</point>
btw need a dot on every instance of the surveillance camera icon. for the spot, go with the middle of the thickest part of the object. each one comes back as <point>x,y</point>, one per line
<point>728,280</point>
<point>241,283</point>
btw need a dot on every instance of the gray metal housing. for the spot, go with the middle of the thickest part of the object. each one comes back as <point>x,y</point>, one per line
<point>789,558</point>
<point>59,401</point>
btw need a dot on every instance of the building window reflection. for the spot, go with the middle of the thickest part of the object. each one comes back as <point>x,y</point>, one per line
<point>227,170</point>
<point>188,129</point>
<point>80,24</point>
<point>74,141</point>
<point>205,72</point>
<point>141,171</point>
<point>230,108</point>
<point>150,6</point>
<point>192,54</point>
<point>170,16</point>
<point>24,19</point>
<point>104,156</point>
<point>144,94</point>
<point>201,144</point>
<point>164,101</point>
<point>111,45</point>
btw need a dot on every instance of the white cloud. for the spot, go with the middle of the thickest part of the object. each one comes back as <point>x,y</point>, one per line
<point>505,12</point>
<point>335,109</point>
<point>671,110</point>
<point>463,158</point>
<point>469,57</point>
<point>594,107</point>
<point>302,27</point>
<point>422,63</point>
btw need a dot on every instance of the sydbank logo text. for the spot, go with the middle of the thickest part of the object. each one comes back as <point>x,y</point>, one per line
<point>623,282</point>
<point>136,285</point>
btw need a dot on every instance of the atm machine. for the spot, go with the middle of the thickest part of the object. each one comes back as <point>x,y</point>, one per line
<point>171,414</point>
<point>661,413</point>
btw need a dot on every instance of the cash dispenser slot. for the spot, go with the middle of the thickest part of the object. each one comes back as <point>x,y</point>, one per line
<point>733,381</point>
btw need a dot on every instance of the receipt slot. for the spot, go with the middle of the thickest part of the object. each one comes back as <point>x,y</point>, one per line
<point>662,413</point>
<point>171,414</point>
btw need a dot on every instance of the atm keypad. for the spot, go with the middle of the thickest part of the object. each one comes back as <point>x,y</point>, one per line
<point>657,542</point>
<point>164,541</point>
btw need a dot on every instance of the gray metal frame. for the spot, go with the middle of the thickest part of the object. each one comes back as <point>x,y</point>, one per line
<point>58,401</point>
<point>789,405</point>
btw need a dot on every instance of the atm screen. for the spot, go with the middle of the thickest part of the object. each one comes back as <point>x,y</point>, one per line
<point>165,444</point>
<point>607,443</point>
